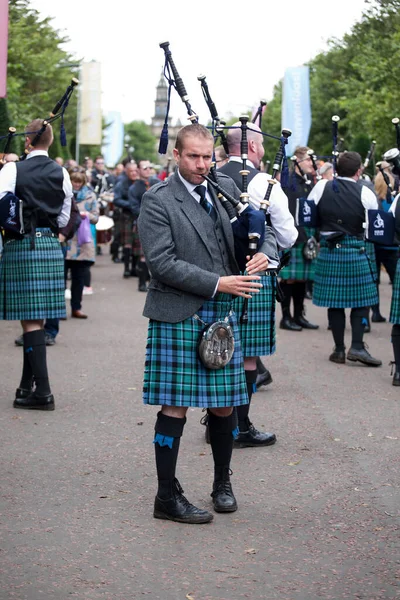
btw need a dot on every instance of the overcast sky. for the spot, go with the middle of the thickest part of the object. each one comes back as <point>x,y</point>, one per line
<point>205,38</point>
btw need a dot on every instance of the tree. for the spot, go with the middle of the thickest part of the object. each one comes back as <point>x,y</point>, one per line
<point>139,136</point>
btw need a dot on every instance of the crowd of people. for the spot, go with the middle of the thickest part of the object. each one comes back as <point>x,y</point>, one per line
<point>175,231</point>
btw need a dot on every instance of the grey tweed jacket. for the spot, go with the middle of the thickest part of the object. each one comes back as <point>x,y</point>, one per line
<point>174,242</point>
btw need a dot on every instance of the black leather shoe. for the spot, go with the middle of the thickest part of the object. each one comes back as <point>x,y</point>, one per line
<point>34,402</point>
<point>377,317</point>
<point>263,379</point>
<point>178,508</point>
<point>252,438</point>
<point>21,394</point>
<point>338,357</point>
<point>142,287</point>
<point>302,321</point>
<point>126,274</point>
<point>289,324</point>
<point>19,341</point>
<point>363,356</point>
<point>396,379</point>
<point>222,494</point>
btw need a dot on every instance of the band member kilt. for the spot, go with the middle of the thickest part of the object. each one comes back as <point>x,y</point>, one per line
<point>136,245</point>
<point>126,229</point>
<point>174,374</point>
<point>395,304</point>
<point>299,268</point>
<point>344,276</point>
<point>258,334</point>
<point>32,281</point>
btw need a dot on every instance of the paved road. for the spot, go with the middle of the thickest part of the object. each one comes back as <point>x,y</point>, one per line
<point>319,511</point>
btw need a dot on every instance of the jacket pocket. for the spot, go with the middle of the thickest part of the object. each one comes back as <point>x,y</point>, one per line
<point>162,287</point>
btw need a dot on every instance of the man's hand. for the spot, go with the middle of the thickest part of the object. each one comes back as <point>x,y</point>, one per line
<point>258,263</point>
<point>239,285</point>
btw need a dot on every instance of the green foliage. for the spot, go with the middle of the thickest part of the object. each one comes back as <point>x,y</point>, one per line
<point>38,73</point>
<point>142,140</point>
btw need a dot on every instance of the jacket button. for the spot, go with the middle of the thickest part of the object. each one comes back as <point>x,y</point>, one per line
<point>339,221</point>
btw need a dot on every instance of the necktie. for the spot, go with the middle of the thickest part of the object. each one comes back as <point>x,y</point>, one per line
<point>208,207</point>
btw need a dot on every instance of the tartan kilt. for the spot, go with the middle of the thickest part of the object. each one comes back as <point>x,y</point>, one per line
<point>126,228</point>
<point>395,304</point>
<point>136,245</point>
<point>258,335</point>
<point>174,374</point>
<point>344,276</point>
<point>299,268</point>
<point>32,281</point>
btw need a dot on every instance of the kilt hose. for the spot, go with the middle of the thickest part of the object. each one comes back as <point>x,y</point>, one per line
<point>395,304</point>
<point>258,335</point>
<point>298,268</point>
<point>174,374</point>
<point>126,228</point>
<point>32,281</point>
<point>344,275</point>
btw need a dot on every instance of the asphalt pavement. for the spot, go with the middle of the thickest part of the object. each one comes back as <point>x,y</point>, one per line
<point>318,512</point>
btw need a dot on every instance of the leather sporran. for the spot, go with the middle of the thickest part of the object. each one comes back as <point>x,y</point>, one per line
<point>310,249</point>
<point>216,345</point>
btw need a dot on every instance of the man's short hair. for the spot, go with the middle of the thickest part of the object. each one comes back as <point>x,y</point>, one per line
<point>300,152</point>
<point>348,164</point>
<point>46,138</point>
<point>194,130</point>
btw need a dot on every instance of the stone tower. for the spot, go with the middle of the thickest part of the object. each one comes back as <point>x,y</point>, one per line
<point>157,121</point>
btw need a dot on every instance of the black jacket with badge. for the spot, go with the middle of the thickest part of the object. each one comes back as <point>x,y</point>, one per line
<point>298,188</point>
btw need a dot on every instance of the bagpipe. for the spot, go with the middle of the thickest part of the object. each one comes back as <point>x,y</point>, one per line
<point>248,223</point>
<point>11,207</point>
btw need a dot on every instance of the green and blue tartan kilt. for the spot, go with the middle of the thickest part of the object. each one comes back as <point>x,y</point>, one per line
<point>258,335</point>
<point>126,228</point>
<point>32,281</point>
<point>395,304</point>
<point>174,374</point>
<point>344,275</point>
<point>299,268</point>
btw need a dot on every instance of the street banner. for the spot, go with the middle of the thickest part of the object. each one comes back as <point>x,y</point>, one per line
<point>3,47</point>
<point>90,126</point>
<point>113,142</point>
<point>296,106</point>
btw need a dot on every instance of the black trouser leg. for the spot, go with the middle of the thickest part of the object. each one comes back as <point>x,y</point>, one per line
<point>87,277</point>
<point>27,373</point>
<point>396,345</point>
<point>143,274</point>
<point>127,259</point>
<point>299,294</point>
<point>78,268</point>
<point>168,433</point>
<point>243,411</point>
<point>358,320</point>
<point>35,344</point>
<point>287,294</point>
<point>222,431</point>
<point>337,322</point>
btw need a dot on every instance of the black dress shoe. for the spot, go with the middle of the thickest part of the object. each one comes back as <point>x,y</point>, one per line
<point>396,379</point>
<point>302,321</point>
<point>19,341</point>
<point>222,494</point>
<point>289,324</point>
<point>263,379</point>
<point>377,318</point>
<point>34,402</point>
<point>362,355</point>
<point>21,393</point>
<point>178,508</point>
<point>253,438</point>
<point>338,356</point>
<point>126,274</point>
<point>142,287</point>
<point>116,260</point>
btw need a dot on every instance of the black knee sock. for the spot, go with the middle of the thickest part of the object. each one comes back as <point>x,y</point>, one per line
<point>396,345</point>
<point>166,444</point>
<point>261,368</point>
<point>36,350</point>
<point>358,320</point>
<point>127,258</point>
<point>222,430</point>
<point>299,294</point>
<point>286,289</point>
<point>337,322</point>
<point>243,411</point>
<point>27,373</point>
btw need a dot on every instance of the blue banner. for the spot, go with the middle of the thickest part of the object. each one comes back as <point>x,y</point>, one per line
<point>296,106</point>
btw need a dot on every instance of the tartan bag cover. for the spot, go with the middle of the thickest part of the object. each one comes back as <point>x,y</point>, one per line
<point>32,281</point>
<point>258,334</point>
<point>174,374</point>
<point>345,275</point>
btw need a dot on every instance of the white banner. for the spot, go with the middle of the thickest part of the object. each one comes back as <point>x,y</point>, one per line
<point>90,131</point>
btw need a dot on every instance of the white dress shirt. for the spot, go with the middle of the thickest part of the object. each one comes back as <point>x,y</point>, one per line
<point>8,180</point>
<point>368,198</point>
